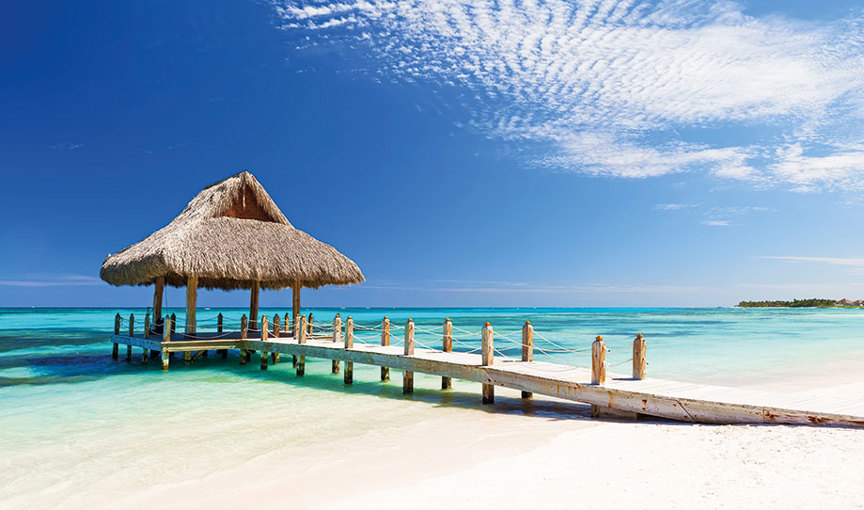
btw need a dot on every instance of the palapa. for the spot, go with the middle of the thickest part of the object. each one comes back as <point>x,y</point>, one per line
<point>230,236</point>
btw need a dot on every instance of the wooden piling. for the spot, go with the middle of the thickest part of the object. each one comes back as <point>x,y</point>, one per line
<point>191,300</point>
<point>157,303</point>
<point>264,354</point>
<point>129,352</point>
<point>639,346</point>
<point>244,333</point>
<point>145,355</point>
<point>385,340</point>
<point>348,376</point>
<point>337,337</point>
<point>309,324</point>
<point>487,351</point>
<point>147,325</point>
<point>166,329</point>
<point>408,375</point>
<point>295,328</point>
<point>301,360</point>
<point>173,323</point>
<point>166,359</point>
<point>131,324</point>
<point>187,357</point>
<point>447,346</point>
<point>219,330</point>
<point>527,349</point>
<point>117,324</point>
<point>276,327</point>
<point>598,361</point>
<point>253,305</point>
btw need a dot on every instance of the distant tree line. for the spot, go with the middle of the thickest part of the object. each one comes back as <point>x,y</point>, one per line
<point>795,303</point>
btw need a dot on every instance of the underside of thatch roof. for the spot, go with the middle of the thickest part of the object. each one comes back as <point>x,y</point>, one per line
<point>229,236</point>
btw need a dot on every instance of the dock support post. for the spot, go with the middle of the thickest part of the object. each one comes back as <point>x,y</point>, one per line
<point>115,351</point>
<point>348,377</point>
<point>276,328</point>
<point>253,305</point>
<point>173,323</point>
<point>187,357</point>
<point>157,303</point>
<point>191,304</point>
<point>166,359</point>
<point>301,362</point>
<point>219,330</point>
<point>337,337</point>
<point>264,353</point>
<point>244,333</point>
<point>131,324</point>
<point>309,324</point>
<point>385,341</point>
<point>295,331</point>
<point>598,371</point>
<point>116,332</point>
<point>487,349</point>
<point>447,346</point>
<point>128,353</point>
<point>147,325</point>
<point>408,375</point>
<point>639,346</point>
<point>166,330</point>
<point>527,349</point>
<point>145,355</point>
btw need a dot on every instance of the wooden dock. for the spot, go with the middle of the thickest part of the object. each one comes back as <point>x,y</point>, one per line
<point>610,396</point>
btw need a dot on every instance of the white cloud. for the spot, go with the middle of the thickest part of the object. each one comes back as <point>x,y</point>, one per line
<point>609,83</point>
<point>854,262</point>
<point>716,223</point>
<point>53,281</point>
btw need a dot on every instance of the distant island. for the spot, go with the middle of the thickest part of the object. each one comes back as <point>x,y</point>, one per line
<point>803,303</point>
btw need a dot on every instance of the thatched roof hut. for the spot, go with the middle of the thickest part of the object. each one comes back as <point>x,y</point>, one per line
<point>230,236</point>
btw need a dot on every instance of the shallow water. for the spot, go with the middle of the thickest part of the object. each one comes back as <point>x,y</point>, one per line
<point>72,418</point>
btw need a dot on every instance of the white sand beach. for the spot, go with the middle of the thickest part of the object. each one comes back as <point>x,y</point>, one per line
<point>525,456</point>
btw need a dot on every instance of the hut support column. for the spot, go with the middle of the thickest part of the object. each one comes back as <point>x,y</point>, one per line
<point>191,298</point>
<point>157,304</point>
<point>253,306</point>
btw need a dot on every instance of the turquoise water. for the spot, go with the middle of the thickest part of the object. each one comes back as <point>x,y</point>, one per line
<point>73,419</point>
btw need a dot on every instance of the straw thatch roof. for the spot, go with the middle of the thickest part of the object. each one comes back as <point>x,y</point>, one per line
<point>229,236</point>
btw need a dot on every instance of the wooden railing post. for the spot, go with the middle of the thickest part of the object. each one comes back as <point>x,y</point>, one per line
<point>487,350</point>
<point>447,346</point>
<point>131,324</point>
<point>264,353</point>
<point>301,362</point>
<point>385,341</point>
<point>527,349</point>
<point>639,346</point>
<point>276,327</point>
<point>337,337</point>
<point>166,330</point>
<point>147,325</point>
<point>219,331</point>
<point>173,323</point>
<point>348,376</point>
<point>408,375</point>
<point>309,323</point>
<point>244,333</point>
<point>598,361</point>
<point>115,348</point>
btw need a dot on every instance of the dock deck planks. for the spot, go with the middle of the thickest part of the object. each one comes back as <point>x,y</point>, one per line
<point>619,395</point>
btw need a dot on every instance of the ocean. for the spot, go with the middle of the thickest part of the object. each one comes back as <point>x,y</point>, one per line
<point>72,419</point>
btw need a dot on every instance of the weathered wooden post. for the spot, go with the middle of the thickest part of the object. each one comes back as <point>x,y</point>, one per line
<point>219,330</point>
<point>131,324</point>
<point>166,359</point>
<point>147,325</point>
<point>114,349</point>
<point>301,361</point>
<point>348,377</point>
<point>408,375</point>
<point>244,333</point>
<point>527,349</point>
<point>173,323</point>
<point>129,352</point>
<point>487,351</point>
<point>639,346</point>
<point>166,330</point>
<point>264,353</point>
<point>287,321</point>
<point>337,337</point>
<point>447,346</point>
<point>385,341</point>
<point>276,328</point>
<point>598,361</point>
<point>295,332</point>
<point>309,323</point>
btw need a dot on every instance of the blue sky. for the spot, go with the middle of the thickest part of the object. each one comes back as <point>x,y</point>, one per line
<point>682,153</point>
